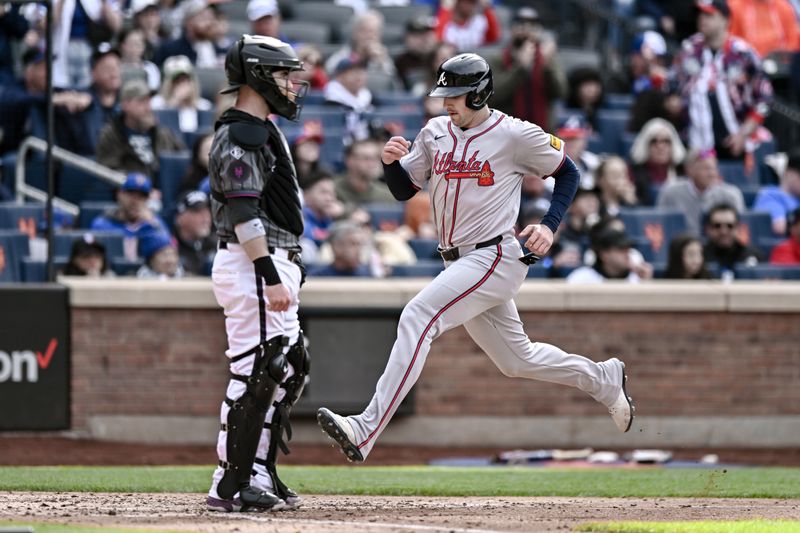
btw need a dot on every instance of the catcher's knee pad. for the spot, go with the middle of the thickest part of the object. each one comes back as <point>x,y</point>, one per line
<point>247,413</point>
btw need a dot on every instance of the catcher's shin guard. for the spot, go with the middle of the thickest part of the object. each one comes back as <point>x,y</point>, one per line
<point>280,427</point>
<point>247,414</point>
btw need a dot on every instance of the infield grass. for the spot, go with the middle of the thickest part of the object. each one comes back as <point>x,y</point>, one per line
<point>429,481</point>
<point>737,526</point>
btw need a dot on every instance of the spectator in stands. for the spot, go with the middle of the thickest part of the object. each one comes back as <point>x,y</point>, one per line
<point>78,25</point>
<point>180,90</point>
<point>196,242</point>
<point>13,27</point>
<point>348,89</point>
<point>575,131</point>
<point>528,80</point>
<point>361,183</point>
<point>703,190</point>
<point>788,251</point>
<point>612,248</point>
<point>535,190</point>
<point>147,18</point>
<point>433,107</point>
<point>79,132</point>
<point>647,69</point>
<point>132,217</point>
<point>675,19</point>
<point>366,46</point>
<point>467,24</point>
<point>195,41</point>
<point>320,207</point>
<point>781,200</point>
<point>161,260</point>
<point>586,93</point>
<point>412,62</point>
<point>656,154</point>
<point>767,25</point>
<point>265,18</point>
<point>348,241</point>
<point>723,246</point>
<point>313,71</point>
<point>615,186</point>
<point>306,151</point>
<point>133,63</point>
<point>572,237</point>
<point>198,166</point>
<point>724,90</point>
<point>87,258</point>
<point>21,100</point>
<point>686,259</point>
<point>133,140</point>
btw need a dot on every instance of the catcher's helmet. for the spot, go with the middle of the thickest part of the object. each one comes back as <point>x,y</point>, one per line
<point>465,74</point>
<point>251,61</point>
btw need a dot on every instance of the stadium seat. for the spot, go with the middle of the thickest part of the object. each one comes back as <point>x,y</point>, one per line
<point>538,271</point>
<point>733,172</point>
<point>657,226</point>
<point>62,242</point>
<point>313,98</point>
<point>768,272</point>
<point>622,101</point>
<point>169,119</point>
<point>749,193</point>
<point>385,217</point>
<point>212,80</point>
<point>305,31</point>
<point>393,33</point>
<point>91,210</point>
<point>573,58</point>
<point>14,246</point>
<point>76,186</point>
<point>398,99</point>
<point>402,14</point>
<point>422,269</point>
<point>336,17</point>
<point>21,217</point>
<point>329,116</point>
<point>331,152</point>
<point>611,124</point>
<point>755,225</point>
<point>36,271</point>
<point>171,171</point>
<point>125,267</point>
<point>424,248</point>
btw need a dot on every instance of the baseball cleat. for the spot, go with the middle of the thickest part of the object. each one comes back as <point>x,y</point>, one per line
<point>256,500</point>
<point>338,428</point>
<point>223,506</point>
<point>622,410</point>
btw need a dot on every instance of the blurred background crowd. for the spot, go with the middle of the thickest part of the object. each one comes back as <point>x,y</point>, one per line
<point>683,116</point>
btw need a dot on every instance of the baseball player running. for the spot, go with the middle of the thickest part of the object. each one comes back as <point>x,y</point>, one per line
<point>473,161</point>
<point>257,275</point>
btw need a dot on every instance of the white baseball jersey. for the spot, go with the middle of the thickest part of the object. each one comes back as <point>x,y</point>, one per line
<point>476,175</point>
<point>475,180</point>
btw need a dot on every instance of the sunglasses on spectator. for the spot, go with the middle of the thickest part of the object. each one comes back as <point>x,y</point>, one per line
<point>660,140</point>
<point>720,225</point>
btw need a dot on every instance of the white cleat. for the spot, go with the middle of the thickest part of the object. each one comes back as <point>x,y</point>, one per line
<point>339,429</point>
<point>622,410</point>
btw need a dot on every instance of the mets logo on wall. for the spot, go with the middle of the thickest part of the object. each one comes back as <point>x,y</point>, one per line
<point>459,170</point>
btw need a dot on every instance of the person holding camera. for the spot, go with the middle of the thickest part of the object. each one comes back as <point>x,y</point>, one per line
<point>528,79</point>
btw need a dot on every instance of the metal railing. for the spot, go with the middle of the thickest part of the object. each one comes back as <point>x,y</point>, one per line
<point>66,157</point>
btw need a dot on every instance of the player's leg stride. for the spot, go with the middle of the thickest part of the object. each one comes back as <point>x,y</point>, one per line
<point>339,429</point>
<point>622,410</point>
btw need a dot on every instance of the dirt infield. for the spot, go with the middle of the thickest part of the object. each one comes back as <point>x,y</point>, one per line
<point>372,514</point>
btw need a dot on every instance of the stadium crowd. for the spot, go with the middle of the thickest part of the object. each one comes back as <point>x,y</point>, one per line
<point>681,178</point>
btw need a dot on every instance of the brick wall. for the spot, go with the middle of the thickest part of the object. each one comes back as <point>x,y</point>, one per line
<point>171,362</point>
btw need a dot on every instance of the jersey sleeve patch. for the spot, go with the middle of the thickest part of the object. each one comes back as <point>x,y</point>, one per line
<point>555,142</point>
<point>238,171</point>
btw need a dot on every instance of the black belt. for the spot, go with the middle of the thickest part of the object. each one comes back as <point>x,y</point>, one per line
<point>451,254</point>
<point>291,255</point>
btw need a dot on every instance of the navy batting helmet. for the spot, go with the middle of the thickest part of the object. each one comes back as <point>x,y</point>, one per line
<point>465,74</point>
<point>251,61</point>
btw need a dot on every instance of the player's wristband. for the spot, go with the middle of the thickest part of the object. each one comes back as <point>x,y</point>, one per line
<point>266,269</point>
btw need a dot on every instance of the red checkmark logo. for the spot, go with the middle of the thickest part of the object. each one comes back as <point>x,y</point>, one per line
<point>44,360</point>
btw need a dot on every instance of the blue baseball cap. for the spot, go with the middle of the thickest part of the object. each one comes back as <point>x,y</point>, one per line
<point>152,242</point>
<point>137,182</point>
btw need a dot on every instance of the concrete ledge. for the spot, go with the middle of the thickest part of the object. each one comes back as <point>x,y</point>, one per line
<point>656,296</point>
<point>511,432</point>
